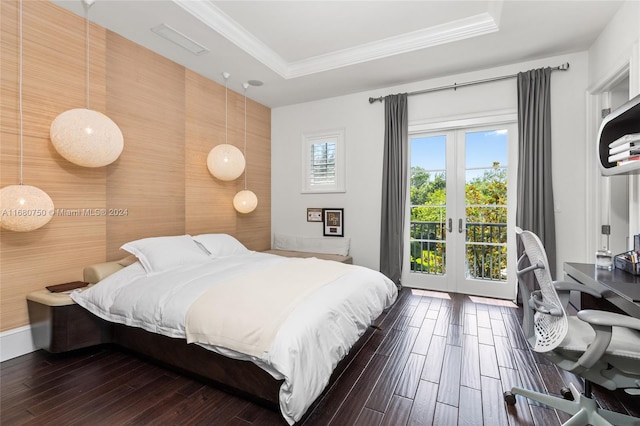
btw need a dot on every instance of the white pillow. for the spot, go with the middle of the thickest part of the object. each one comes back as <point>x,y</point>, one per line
<point>158,254</point>
<point>221,245</point>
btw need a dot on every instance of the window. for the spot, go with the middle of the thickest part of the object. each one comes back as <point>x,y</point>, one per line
<point>323,162</point>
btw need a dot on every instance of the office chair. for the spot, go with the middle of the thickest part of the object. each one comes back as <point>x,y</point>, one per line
<point>601,347</point>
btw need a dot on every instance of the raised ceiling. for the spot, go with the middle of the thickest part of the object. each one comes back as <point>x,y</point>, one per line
<point>309,50</point>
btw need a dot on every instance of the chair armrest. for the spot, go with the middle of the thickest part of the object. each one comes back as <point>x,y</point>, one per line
<point>604,318</point>
<point>602,323</point>
<point>570,286</point>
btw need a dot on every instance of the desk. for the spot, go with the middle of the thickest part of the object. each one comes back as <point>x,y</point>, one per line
<point>616,286</point>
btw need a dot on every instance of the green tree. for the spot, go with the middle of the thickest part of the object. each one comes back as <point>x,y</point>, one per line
<point>486,197</point>
<point>488,191</point>
<point>427,190</point>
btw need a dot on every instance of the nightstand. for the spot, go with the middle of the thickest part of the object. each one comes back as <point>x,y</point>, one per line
<point>58,324</point>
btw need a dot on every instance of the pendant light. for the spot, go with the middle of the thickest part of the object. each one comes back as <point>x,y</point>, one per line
<point>83,136</point>
<point>23,207</point>
<point>245,201</point>
<point>225,161</point>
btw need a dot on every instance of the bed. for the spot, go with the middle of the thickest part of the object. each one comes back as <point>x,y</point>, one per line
<point>272,327</point>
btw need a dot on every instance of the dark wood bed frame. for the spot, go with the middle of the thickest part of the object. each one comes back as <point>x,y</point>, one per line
<point>64,328</point>
<point>236,376</point>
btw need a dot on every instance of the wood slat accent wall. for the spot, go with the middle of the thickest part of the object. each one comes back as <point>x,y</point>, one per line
<point>249,227</point>
<point>206,198</point>
<point>53,81</point>
<point>205,128</point>
<point>170,117</point>
<point>146,98</point>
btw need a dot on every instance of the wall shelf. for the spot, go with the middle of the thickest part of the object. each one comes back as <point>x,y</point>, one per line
<point>623,121</point>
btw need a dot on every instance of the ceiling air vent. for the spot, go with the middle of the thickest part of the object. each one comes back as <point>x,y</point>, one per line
<point>165,31</point>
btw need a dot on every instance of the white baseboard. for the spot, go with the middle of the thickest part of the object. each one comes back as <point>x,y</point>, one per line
<point>16,342</point>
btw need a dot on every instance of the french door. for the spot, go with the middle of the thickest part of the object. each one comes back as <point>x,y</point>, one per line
<point>461,216</point>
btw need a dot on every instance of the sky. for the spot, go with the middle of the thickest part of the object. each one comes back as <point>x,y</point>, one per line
<point>482,149</point>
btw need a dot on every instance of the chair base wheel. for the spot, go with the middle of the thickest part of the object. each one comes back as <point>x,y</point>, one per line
<point>509,398</point>
<point>566,393</point>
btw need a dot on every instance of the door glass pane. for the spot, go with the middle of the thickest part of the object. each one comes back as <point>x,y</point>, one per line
<point>428,205</point>
<point>486,205</point>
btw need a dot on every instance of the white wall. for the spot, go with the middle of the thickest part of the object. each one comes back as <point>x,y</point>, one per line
<point>617,48</point>
<point>615,45</point>
<point>364,142</point>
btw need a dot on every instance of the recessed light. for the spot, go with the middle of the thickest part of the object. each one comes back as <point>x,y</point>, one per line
<point>255,83</point>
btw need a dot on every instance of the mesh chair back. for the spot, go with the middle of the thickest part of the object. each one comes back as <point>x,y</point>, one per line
<point>550,330</point>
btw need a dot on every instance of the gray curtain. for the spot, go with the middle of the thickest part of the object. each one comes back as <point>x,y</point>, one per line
<point>535,210</point>
<point>394,185</point>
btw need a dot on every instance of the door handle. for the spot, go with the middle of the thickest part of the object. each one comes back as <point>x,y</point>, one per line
<point>450,229</point>
<point>460,226</point>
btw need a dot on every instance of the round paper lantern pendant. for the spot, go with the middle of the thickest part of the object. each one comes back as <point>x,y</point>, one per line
<point>86,137</point>
<point>24,208</point>
<point>225,162</point>
<point>245,201</point>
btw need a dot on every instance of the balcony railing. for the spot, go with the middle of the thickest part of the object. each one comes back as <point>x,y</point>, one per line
<point>486,249</point>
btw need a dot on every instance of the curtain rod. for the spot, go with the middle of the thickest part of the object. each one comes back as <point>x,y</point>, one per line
<point>454,86</point>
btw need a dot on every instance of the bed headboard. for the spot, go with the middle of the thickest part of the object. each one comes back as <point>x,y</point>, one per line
<point>99,271</point>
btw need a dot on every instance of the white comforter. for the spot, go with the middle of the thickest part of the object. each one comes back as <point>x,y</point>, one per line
<point>306,349</point>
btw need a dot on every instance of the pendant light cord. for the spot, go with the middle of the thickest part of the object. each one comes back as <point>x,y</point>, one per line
<point>20,94</point>
<point>226,111</point>
<point>245,85</point>
<point>226,76</point>
<point>86,4</point>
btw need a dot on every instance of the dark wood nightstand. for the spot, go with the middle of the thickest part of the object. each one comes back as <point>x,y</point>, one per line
<point>58,324</point>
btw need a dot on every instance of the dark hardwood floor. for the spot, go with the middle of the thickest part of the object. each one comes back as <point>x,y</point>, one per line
<point>436,358</point>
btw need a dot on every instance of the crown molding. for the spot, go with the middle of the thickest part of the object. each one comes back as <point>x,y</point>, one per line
<point>461,29</point>
<point>217,20</point>
<point>224,25</point>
